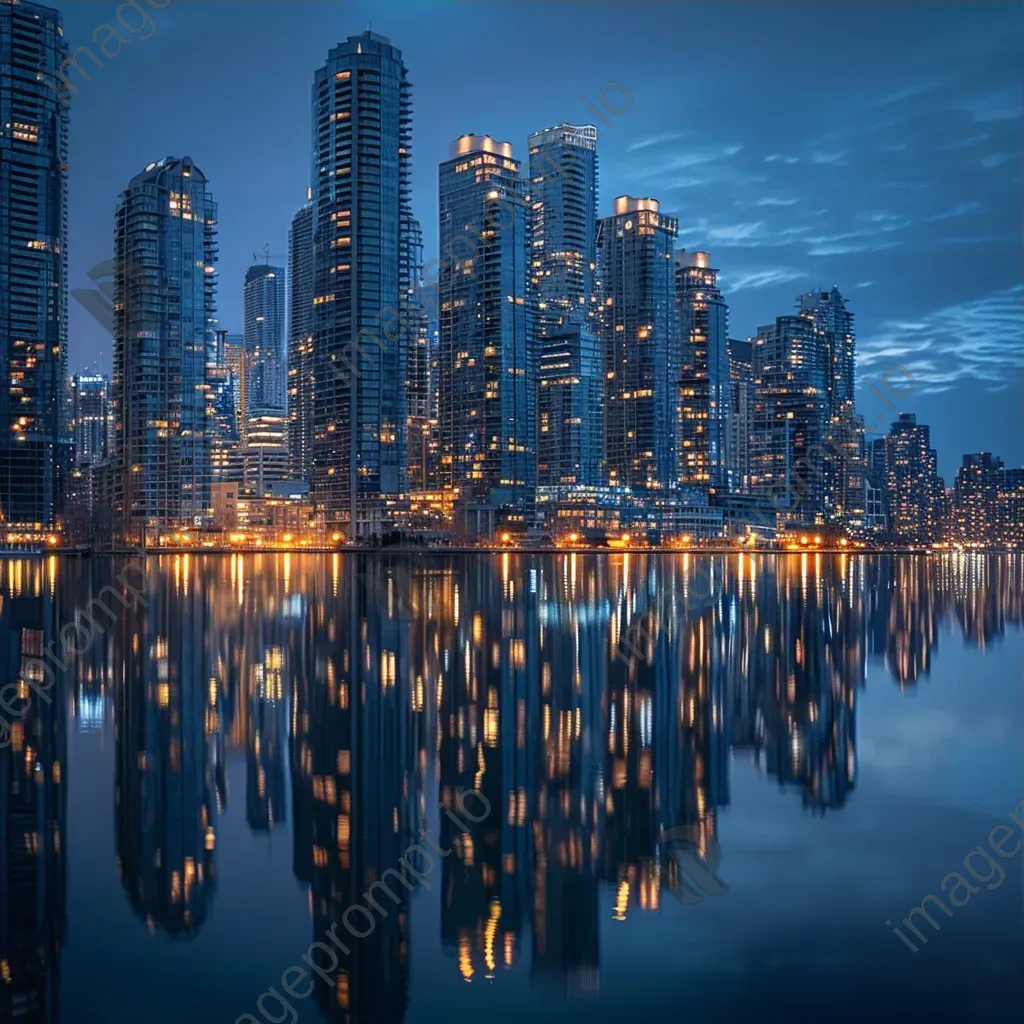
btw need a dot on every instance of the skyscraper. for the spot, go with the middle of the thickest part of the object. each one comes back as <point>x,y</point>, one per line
<point>702,446</point>
<point>634,248</point>
<point>846,468</point>
<point>915,492</point>
<point>741,412</point>
<point>488,362</point>
<point>420,429</point>
<point>362,117</point>
<point>34,447</point>
<point>89,413</point>
<point>265,442</point>
<point>234,352</point>
<point>975,499</point>
<point>226,465</point>
<point>300,343</point>
<point>165,259</point>
<point>563,194</point>
<point>265,348</point>
<point>790,416</point>
<point>844,460</point>
<point>829,312</point>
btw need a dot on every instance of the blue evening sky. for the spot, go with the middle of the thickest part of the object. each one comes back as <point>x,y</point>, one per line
<point>871,146</point>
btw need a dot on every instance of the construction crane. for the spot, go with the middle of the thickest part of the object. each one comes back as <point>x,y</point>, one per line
<point>266,256</point>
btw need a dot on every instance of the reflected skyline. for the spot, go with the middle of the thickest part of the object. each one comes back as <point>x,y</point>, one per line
<point>361,692</point>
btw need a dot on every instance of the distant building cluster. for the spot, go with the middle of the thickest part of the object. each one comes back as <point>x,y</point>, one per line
<point>550,374</point>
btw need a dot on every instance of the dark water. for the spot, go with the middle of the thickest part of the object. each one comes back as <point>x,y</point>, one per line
<point>704,784</point>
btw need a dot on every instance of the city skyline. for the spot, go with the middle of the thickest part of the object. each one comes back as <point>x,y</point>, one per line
<point>514,507</point>
<point>952,322</point>
<point>583,384</point>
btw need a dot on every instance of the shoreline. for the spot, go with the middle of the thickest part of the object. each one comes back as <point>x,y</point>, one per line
<point>488,550</point>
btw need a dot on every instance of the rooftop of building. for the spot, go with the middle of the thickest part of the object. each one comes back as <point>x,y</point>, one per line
<point>470,143</point>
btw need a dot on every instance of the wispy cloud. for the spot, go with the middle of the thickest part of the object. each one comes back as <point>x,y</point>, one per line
<point>661,166</point>
<point>908,92</point>
<point>995,159</point>
<point>654,140</point>
<point>996,106</point>
<point>835,157</point>
<point>736,232</point>
<point>776,201</point>
<point>957,210</point>
<point>866,239</point>
<point>846,248</point>
<point>757,234</point>
<point>977,339</point>
<point>775,158</point>
<point>863,284</point>
<point>966,143</point>
<point>761,278</point>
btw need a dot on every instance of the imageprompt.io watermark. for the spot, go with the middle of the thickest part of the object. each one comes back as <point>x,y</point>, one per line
<point>110,40</point>
<point>358,921</point>
<point>76,638</point>
<point>956,887</point>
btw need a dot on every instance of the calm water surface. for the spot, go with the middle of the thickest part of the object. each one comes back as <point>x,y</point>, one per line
<point>225,769</point>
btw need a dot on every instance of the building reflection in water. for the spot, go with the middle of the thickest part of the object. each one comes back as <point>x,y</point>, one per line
<point>33,796</point>
<point>169,759</point>
<point>595,702</point>
<point>357,787</point>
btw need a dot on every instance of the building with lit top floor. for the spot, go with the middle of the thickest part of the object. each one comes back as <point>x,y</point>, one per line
<point>705,392</point>
<point>164,310</point>
<point>638,330</point>
<point>362,142</point>
<point>563,263</point>
<point>487,386</point>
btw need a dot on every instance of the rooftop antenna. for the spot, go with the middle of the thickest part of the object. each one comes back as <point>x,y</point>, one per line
<point>265,254</point>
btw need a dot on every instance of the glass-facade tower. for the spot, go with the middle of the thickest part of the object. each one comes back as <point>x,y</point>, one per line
<point>790,415</point>
<point>265,349</point>
<point>914,491</point>
<point>828,309</point>
<point>300,344</point>
<point>634,250</point>
<point>266,424</point>
<point>165,259</point>
<point>487,358</point>
<point>34,446</point>
<point>702,445</point>
<point>89,417</point>
<point>570,376</point>
<point>362,130</point>
<point>420,426</point>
